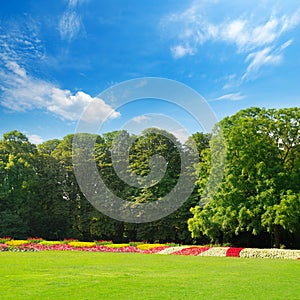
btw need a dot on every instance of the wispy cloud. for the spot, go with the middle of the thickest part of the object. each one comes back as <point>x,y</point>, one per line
<point>70,22</point>
<point>256,37</point>
<point>179,51</point>
<point>231,97</point>
<point>22,92</point>
<point>266,56</point>
<point>20,42</point>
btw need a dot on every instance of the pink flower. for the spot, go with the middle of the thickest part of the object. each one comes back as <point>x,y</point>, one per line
<point>192,251</point>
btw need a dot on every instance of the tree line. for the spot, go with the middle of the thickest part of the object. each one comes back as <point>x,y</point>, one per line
<point>257,202</point>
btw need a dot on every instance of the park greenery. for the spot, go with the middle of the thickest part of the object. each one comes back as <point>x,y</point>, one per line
<point>257,203</point>
<point>78,275</point>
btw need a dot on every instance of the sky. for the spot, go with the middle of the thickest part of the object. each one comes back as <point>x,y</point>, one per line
<point>58,57</point>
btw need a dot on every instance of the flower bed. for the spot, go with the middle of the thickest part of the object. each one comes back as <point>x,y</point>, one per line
<point>16,242</point>
<point>82,244</point>
<point>191,251</point>
<point>117,245</point>
<point>51,243</point>
<point>215,251</point>
<point>38,244</point>
<point>149,246</point>
<point>155,250</point>
<point>234,252</point>
<point>171,250</point>
<point>270,253</point>
<point>3,247</point>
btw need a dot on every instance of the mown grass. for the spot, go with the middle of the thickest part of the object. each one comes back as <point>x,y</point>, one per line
<point>83,275</point>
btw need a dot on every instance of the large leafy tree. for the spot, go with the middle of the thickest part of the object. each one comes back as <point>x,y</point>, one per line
<point>259,192</point>
<point>49,215</point>
<point>17,175</point>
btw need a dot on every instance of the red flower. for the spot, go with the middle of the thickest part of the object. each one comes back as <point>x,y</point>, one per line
<point>155,249</point>
<point>235,252</point>
<point>192,251</point>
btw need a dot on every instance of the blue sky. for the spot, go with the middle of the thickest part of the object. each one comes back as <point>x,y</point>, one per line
<point>57,56</point>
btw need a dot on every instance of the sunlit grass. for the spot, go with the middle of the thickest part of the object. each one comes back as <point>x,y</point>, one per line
<point>85,275</point>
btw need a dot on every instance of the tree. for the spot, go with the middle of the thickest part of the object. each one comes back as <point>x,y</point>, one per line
<point>16,177</point>
<point>261,166</point>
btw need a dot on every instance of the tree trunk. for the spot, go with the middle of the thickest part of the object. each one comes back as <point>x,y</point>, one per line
<point>276,236</point>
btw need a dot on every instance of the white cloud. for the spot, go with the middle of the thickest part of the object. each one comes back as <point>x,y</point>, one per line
<point>21,92</point>
<point>266,56</point>
<point>259,58</point>
<point>35,139</point>
<point>231,81</point>
<point>69,25</point>
<point>253,35</point>
<point>141,119</point>
<point>285,45</point>
<point>19,42</point>
<point>181,51</point>
<point>181,134</point>
<point>13,66</point>
<point>233,32</point>
<point>231,97</point>
<point>70,22</point>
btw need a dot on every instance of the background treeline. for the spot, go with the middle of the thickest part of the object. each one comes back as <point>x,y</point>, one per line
<point>257,203</point>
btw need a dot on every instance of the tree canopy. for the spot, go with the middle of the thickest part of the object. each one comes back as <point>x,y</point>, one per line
<point>247,190</point>
<point>260,189</point>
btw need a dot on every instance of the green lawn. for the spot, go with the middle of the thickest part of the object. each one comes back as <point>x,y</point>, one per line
<point>83,275</point>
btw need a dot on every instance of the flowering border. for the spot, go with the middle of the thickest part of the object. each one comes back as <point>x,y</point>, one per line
<point>31,245</point>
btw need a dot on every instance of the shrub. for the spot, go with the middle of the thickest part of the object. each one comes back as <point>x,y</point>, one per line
<point>102,242</point>
<point>35,240</point>
<point>5,239</point>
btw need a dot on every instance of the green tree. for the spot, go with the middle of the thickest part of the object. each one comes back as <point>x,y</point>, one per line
<point>17,174</point>
<point>262,149</point>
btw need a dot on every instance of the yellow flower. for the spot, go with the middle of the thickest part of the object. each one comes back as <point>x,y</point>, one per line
<point>16,242</point>
<point>81,244</point>
<point>149,246</point>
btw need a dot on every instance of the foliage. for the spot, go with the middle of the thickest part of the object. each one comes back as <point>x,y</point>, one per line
<point>259,192</point>
<point>257,203</point>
